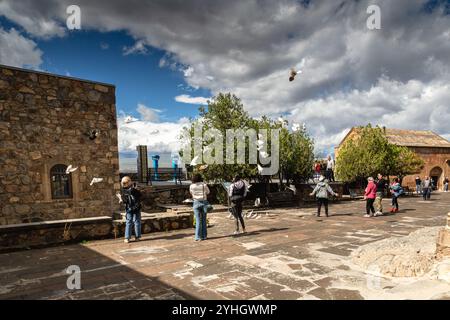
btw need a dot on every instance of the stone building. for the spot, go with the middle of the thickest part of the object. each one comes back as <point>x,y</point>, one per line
<point>432,148</point>
<point>48,122</point>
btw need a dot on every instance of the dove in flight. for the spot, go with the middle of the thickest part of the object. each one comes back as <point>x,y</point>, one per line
<point>293,74</point>
<point>93,134</point>
<point>128,119</point>
<point>260,169</point>
<point>70,169</point>
<point>295,127</point>
<point>96,180</point>
<point>263,154</point>
<point>194,161</point>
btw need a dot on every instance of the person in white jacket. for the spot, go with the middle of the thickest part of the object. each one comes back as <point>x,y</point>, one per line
<point>199,191</point>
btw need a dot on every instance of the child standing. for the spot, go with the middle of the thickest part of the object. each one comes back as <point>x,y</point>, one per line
<point>322,190</point>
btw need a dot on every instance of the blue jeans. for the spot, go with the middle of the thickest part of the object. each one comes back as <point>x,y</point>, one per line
<point>133,218</point>
<point>201,231</point>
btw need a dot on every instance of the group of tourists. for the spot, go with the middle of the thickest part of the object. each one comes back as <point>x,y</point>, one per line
<point>374,193</point>
<point>426,186</point>
<point>237,191</point>
<point>328,168</point>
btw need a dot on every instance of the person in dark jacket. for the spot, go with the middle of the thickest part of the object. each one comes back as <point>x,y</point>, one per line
<point>322,192</point>
<point>131,198</point>
<point>237,193</point>
<point>381,186</point>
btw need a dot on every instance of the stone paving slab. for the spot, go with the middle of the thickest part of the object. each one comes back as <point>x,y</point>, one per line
<point>286,254</point>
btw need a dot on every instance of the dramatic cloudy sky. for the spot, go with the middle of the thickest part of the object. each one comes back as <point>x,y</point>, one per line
<point>167,57</point>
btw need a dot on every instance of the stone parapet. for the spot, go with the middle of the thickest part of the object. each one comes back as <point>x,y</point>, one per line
<point>443,242</point>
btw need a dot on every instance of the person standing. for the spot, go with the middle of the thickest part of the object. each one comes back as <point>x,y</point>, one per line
<point>418,185</point>
<point>330,169</point>
<point>237,193</point>
<point>199,191</point>
<point>446,184</point>
<point>396,191</point>
<point>322,191</point>
<point>381,187</point>
<point>131,197</point>
<point>426,188</point>
<point>369,195</point>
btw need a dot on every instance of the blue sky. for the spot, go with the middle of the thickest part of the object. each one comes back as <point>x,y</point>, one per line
<point>99,56</point>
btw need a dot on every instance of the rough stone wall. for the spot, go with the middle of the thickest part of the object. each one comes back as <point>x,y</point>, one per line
<point>44,120</point>
<point>433,157</point>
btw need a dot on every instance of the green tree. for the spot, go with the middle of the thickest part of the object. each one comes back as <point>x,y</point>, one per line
<point>370,153</point>
<point>226,111</point>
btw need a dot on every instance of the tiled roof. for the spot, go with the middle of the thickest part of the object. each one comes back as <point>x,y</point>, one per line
<point>414,138</point>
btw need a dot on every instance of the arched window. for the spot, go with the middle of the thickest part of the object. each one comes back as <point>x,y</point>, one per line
<point>61,182</point>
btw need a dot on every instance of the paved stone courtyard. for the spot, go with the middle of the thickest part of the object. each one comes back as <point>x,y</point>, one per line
<point>286,254</point>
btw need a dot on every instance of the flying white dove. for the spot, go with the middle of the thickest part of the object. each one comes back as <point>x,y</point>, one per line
<point>260,169</point>
<point>128,119</point>
<point>295,127</point>
<point>70,169</point>
<point>96,180</point>
<point>194,161</point>
<point>263,154</point>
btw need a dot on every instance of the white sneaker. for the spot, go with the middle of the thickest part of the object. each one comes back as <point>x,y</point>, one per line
<point>367,216</point>
<point>126,240</point>
<point>378,214</point>
<point>236,232</point>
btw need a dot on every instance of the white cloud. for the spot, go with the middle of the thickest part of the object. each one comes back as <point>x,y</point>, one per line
<point>39,23</point>
<point>396,76</point>
<point>184,98</point>
<point>18,51</point>
<point>138,48</point>
<point>148,114</point>
<point>157,136</point>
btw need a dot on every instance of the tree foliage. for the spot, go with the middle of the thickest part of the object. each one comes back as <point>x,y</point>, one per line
<point>226,111</point>
<point>370,153</point>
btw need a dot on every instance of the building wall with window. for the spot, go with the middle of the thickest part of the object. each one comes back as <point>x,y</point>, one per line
<point>47,123</point>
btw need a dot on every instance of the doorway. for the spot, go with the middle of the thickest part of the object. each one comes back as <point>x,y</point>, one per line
<point>436,176</point>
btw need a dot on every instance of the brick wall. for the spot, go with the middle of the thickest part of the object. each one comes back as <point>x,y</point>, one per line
<point>44,121</point>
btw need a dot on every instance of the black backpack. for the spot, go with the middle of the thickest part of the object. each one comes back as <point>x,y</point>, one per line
<point>238,193</point>
<point>131,202</point>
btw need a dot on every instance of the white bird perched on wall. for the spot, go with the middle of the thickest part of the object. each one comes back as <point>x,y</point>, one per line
<point>96,180</point>
<point>70,169</point>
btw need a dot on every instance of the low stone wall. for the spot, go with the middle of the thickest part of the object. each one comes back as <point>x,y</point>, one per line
<point>48,233</point>
<point>160,222</point>
<point>443,242</point>
<point>38,234</point>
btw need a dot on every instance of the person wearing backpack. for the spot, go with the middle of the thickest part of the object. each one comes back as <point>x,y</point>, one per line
<point>199,191</point>
<point>131,198</point>
<point>237,193</point>
<point>322,191</point>
<point>396,191</point>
